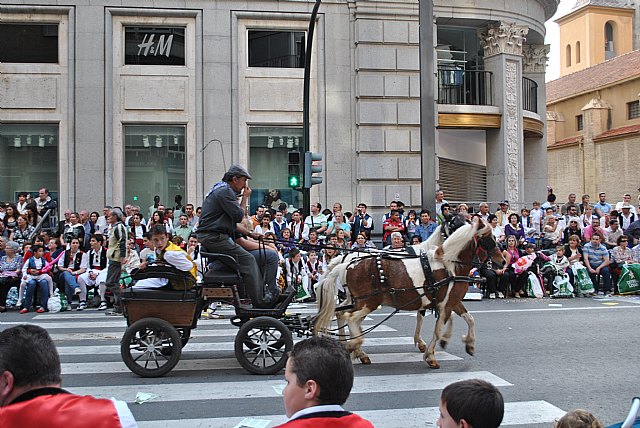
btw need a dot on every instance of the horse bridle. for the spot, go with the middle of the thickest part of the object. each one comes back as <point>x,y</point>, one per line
<point>484,245</point>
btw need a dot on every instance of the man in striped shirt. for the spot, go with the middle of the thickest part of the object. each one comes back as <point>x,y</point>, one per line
<point>596,258</point>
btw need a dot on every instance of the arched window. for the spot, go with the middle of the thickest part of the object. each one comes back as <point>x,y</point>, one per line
<point>577,52</point>
<point>568,55</point>
<point>609,40</point>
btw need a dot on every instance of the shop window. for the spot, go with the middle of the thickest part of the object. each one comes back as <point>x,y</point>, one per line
<point>633,110</point>
<point>29,43</point>
<point>276,49</point>
<point>28,159</point>
<point>154,164</point>
<point>154,45</point>
<point>268,157</point>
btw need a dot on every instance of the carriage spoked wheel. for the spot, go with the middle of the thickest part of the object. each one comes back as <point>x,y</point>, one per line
<point>185,335</point>
<point>151,347</point>
<point>262,345</point>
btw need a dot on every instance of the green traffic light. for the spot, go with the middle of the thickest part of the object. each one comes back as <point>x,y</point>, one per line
<point>294,181</point>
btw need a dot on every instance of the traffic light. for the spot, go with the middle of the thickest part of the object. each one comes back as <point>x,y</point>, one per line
<point>295,175</point>
<point>310,168</point>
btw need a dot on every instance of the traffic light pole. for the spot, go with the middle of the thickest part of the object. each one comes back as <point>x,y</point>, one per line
<point>306,195</point>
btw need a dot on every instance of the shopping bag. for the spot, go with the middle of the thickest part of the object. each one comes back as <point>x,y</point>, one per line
<point>64,303</point>
<point>53,304</point>
<point>12,297</point>
<point>562,286</point>
<point>534,289</point>
<point>302,293</point>
<point>581,278</point>
<point>629,281</point>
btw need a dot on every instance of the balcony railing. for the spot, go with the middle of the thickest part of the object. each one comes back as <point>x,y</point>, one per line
<point>529,95</point>
<point>464,87</point>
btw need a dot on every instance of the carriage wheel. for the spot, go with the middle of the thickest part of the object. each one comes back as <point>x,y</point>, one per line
<point>151,347</point>
<point>262,345</point>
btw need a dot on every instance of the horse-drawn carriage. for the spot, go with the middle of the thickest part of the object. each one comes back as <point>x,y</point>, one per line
<point>160,321</point>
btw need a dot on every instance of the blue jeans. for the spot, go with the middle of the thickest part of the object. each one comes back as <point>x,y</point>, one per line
<point>31,289</point>
<point>605,273</point>
<point>70,284</point>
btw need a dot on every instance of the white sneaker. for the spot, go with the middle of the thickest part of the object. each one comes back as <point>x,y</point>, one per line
<point>500,295</point>
<point>82,306</point>
<point>492,295</point>
<point>103,306</point>
<point>19,303</point>
<point>77,290</point>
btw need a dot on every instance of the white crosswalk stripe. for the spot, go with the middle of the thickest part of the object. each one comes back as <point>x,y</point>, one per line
<point>89,345</point>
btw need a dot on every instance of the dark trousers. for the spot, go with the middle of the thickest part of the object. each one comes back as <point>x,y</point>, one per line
<point>5,285</point>
<point>605,274</point>
<point>113,283</point>
<point>247,265</point>
<point>495,282</point>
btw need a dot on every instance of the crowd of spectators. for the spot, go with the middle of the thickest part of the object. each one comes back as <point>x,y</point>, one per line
<point>72,256</point>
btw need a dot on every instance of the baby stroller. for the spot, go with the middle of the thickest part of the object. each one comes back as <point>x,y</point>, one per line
<point>632,419</point>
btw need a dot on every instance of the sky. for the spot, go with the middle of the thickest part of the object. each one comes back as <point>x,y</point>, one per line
<point>553,38</point>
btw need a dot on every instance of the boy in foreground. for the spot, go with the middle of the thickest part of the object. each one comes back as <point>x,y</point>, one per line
<point>472,403</point>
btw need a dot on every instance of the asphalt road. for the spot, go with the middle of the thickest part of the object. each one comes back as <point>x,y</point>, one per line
<point>547,356</point>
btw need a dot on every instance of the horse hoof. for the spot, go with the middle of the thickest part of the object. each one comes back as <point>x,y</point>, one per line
<point>422,348</point>
<point>365,360</point>
<point>443,344</point>
<point>470,349</point>
<point>433,364</point>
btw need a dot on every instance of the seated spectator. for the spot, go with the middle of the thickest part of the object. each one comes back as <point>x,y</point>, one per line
<point>440,201</point>
<point>587,217</point>
<point>22,232</point>
<point>586,202</point>
<point>612,233</point>
<point>596,259</point>
<point>327,255</point>
<point>183,229</point>
<point>147,253</point>
<point>484,212</point>
<point>362,242</point>
<point>138,229</point>
<point>571,202</point>
<point>287,243</point>
<point>265,224</point>
<point>511,256</point>
<point>338,223</point>
<point>319,377</point>
<point>573,228</point>
<point>503,214</point>
<point>31,395</point>
<point>313,241</point>
<point>10,219</point>
<point>552,233</point>
<point>278,223</point>
<point>313,267</point>
<point>560,263</point>
<point>602,208</point>
<point>626,200</point>
<point>192,217</point>
<point>625,216</point>
<point>36,280</point>
<point>472,403</point>
<point>633,233</point>
<point>514,228</point>
<point>255,219</point>
<point>410,224</point>
<point>397,242</point>
<point>341,240</point>
<point>296,274</point>
<point>390,225</point>
<point>496,230</point>
<point>497,277</point>
<point>299,230</point>
<point>72,264</point>
<point>415,240</point>
<point>573,252</point>
<point>590,230</point>
<point>427,225</point>
<point>10,269</point>
<point>169,253</point>
<point>620,256</point>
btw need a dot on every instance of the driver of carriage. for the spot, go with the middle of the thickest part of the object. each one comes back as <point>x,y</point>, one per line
<point>169,253</point>
<point>220,223</point>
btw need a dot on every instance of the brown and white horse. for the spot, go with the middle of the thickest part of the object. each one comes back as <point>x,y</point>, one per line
<point>400,282</point>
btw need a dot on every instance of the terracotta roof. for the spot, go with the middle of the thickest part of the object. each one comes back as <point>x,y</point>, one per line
<point>617,69</point>
<point>567,141</point>
<point>623,130</point>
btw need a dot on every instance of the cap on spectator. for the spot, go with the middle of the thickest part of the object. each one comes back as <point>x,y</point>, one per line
<point>117,212</point>
<point>626,206</point>
<point>505,202</point>
<point>13,245</point>
<point>239,171</point>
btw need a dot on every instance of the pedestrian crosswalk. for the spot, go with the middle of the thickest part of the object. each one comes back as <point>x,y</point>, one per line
<point>208,387</point>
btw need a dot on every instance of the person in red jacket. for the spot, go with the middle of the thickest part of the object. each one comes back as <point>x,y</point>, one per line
<point>30,393</point>
<point>319,376</point>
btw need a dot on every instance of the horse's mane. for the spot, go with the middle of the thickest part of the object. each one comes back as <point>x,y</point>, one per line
<point>435,240</point>
<point>456,244</point>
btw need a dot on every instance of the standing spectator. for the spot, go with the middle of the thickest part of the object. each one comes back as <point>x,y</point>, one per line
<point>427,226</point>
<point>338,223</point>
<point>10,219</point>
<point>45,203</point>
<point>193,219</point>
<point>602,208</point>
<point>552,233</point>
<point>85,222</point>
<point>183,229</point>
<point>551,201</point>
<point>255,218</point>
<point>596,259</point>
<point>128,213</point>
<point>439,201</point>
<point>503,213</point>
<point>390,225</point>
<point>536,217</point>
<point>103,222</point>
<point>278,224</point>
<point>166,219</point>
<point>410,224</point>
<point>361,222</point>
<point>94,227</point>
<point>626,217</point>
<point>138,229</point>
<point>153,208</point>
<point>316,220</point>
<point>571,202</point>
<point>337,206</point>
<point>484,212</point>
<point>117,254</point>
<point>626,200</point>
<point>21,205</point>
<point>393,205</point>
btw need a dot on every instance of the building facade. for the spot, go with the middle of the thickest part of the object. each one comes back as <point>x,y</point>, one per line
<point>114,102</point>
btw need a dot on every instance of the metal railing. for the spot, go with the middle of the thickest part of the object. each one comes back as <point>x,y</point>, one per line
<point>464,87</point>
<point>529,95</point>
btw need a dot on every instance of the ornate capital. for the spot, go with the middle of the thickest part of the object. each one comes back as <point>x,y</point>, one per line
<point>503,38</point>
<point>535,58</point>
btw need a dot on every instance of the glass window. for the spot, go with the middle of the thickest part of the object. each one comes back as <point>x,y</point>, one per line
<point>268,165</point>
<point>154,164</point>
<point>276,49</point>
<point>28,159</point>
<point>633,110</point>
<point>579,122</point>
<point>29,43</point>
<point>459,47</point>
<point>154,45</point>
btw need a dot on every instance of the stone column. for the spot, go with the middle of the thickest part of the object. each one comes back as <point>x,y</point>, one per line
<point>595,116</point>
<point>535,148</point>
<point>505,156</point>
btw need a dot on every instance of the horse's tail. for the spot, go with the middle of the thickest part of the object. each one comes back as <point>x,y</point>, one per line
<point>327,293</point>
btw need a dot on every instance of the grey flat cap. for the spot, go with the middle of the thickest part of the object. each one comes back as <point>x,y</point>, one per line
<point>240,171</point>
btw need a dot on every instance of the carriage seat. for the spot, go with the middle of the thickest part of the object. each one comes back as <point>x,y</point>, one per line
<point>164,293</point>
<point>222,269</point>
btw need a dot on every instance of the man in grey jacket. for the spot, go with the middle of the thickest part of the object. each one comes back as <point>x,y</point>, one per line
<point>219,223</point>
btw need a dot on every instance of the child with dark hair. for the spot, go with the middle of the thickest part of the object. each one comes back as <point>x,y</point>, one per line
<point>472,403</point>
